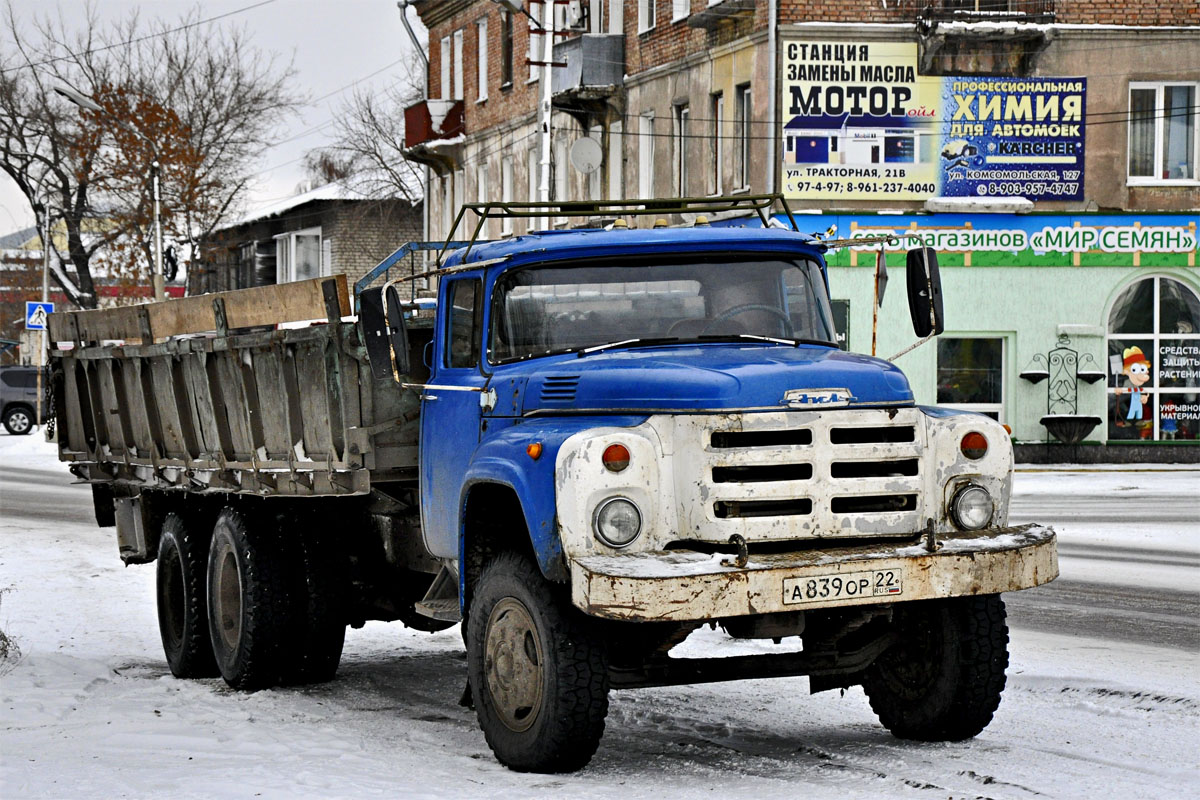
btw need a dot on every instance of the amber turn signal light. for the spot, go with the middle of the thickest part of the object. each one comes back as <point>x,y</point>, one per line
<point>534,450</point>
<point>974,445</point>
<point>616,457</point>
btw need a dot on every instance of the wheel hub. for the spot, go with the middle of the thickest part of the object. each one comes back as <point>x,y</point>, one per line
<point>228,598</point>
<point>513,664</point>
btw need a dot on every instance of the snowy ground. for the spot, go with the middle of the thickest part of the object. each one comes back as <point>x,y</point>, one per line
<point>89,709</point>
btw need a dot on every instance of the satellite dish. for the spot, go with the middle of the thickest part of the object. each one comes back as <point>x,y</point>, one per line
<point>586,155</point>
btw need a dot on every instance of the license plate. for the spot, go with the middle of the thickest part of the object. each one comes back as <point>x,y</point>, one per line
<point>843,586</point>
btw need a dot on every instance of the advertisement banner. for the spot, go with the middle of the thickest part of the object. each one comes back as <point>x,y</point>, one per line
<point>861,124</point>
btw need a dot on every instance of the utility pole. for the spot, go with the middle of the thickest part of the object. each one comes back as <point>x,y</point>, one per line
<point>547,97</point>
<point>45,299</point>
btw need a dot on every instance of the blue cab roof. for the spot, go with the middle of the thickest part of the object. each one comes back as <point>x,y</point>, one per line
<point>554,245</point>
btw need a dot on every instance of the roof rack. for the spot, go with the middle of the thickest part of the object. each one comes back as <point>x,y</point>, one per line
<point>758,203</point>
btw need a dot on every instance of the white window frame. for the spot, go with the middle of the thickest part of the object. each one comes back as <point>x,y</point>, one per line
<point>646,155</point>
<point>646,13</point>
<point>1155,337</point>
<point>614,164</point>
<point>481,58</point>
<point>981,408</point>
<point>744,116</point>
<point>285,254</point>
<point>1159,134</point>
<point>506,192</point>
<point>717,186</point>
<point>446,58</point>
<point>535,41</point>
<point>682,113</point>
<point>680,9</point>
<point>459,94</point>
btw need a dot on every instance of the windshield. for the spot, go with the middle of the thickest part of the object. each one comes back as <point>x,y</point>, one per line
<point>541,310</point>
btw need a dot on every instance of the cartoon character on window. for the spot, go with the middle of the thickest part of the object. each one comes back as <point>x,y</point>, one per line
<point>1137,370</point>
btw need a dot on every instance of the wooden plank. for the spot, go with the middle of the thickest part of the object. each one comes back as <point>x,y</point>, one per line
<point>244,308</point>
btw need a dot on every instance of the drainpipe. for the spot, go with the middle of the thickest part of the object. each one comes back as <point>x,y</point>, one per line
<point>772,90</point>
<point>403,6</point>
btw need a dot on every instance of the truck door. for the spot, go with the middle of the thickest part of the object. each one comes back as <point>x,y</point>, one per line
<point>450,415</point>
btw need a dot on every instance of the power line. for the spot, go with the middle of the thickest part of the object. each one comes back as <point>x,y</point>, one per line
<point>147,37</point>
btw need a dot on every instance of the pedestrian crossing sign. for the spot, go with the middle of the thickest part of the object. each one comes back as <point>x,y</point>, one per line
<point>36,314</point>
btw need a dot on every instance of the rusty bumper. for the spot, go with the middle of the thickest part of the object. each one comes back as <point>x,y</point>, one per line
<point>681,586</point>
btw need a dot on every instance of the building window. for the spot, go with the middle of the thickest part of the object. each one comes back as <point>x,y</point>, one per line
<point>680,9</point>
<point>506,192</point>
<point>458,65</point>
<point>970,375</point>
<point>481,88</point>
<point>535,40</point>
<point>681,158</point>
<point>645,15</point>
<point>717,184</point>
<point>446,53</point>
<point>646,155</point>
<point>1154,362</point>
<point>615,161</point>
<point>447,182</point>
<point>506,49</point>
<point>481,189</point>
<point>298,256</point>
<point>1163,118</point>
<point>742,136</point>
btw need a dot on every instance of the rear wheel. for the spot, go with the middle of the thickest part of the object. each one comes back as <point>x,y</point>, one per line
<point>182,604</point>
<point>318,591</point>
<point>247,600</point>
<point>943,680</point>
<point>538,672</point>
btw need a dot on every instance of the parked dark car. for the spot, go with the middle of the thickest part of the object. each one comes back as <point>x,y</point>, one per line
<point>18,398</point>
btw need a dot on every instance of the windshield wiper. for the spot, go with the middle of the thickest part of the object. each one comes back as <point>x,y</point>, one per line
<point>650,342</point>
<point>754,337</point>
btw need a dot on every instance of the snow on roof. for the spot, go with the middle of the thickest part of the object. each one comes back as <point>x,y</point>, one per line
<point>330,191</point>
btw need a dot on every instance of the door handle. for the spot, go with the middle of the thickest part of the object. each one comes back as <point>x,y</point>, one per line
<point>429,397</point>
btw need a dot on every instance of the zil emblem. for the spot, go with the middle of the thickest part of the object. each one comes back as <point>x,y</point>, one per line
<point>817,398</point>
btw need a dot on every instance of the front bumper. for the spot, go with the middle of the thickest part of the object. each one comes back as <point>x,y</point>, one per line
<point>681,586</point>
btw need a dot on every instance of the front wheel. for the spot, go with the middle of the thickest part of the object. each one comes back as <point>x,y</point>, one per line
<point>538,673</point>
<point>942,681</point>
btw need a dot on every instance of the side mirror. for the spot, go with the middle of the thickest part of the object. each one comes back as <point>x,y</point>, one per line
<point>381,318</point>
<point>925,292</point>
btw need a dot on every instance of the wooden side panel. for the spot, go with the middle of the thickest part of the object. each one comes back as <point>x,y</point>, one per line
<point>210,430</point>
<point>107,406</point>
<point>244,308</point>
<point>273,403</point>
<point>314,400</point>
<point>157,372</point>
<point>75,388</point>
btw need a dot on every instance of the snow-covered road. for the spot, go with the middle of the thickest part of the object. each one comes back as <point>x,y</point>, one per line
<point>90,710</point>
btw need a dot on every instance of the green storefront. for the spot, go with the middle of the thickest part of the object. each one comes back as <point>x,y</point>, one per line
<point>1043,315</point>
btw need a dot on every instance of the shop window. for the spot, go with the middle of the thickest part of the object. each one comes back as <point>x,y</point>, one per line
<point>1163,118</point>
<point>1154,362</point>
<point>970,375</point>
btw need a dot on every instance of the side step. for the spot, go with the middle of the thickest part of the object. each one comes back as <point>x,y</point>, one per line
<point>441,601</point>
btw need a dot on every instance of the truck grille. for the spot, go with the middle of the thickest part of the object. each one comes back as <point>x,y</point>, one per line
<point>795,475</point>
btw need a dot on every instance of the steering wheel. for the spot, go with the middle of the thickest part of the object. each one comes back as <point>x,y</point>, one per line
<point>733,311</point>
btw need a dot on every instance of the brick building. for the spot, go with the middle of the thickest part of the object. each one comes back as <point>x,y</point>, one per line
<point>1052,142</point>
<point>325,231</point>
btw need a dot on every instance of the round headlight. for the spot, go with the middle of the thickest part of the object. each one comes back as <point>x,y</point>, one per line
<point>971,508</point>
<point>618,522</point>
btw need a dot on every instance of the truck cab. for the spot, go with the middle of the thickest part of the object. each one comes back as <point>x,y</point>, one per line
<point>655,429</point>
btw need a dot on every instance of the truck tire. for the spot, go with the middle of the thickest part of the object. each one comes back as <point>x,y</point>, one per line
<point>18,420</point>
<point>247,600</point>
<point>181,592</point>
<point>318,590</point>
<point>538,673</point>
<point>942,681</point>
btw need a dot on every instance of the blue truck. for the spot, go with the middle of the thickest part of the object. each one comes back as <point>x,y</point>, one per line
<point>595,442</point>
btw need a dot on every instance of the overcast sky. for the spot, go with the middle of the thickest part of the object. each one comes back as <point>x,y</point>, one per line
<point>334,44</point>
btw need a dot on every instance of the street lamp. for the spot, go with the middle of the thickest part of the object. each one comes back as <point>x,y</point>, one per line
<point>88,104</point>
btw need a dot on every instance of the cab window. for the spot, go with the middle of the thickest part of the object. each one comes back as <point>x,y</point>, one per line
<point>462,325</point>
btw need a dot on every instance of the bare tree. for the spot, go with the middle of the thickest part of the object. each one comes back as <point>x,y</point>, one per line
<point>369,136</point>
<point>201,102</point>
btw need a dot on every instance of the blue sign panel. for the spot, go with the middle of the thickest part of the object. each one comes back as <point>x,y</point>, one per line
<point>36,314</point>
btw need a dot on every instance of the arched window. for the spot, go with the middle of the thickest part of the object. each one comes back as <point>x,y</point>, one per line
<point>1154,362</point>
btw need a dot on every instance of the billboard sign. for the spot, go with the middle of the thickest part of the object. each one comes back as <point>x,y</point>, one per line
<point>861,124</point>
